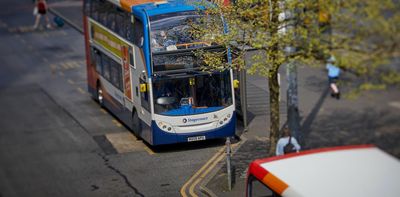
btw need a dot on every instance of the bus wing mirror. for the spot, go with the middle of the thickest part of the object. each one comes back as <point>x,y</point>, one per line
<point>143,87</point>
<point>236,83</point>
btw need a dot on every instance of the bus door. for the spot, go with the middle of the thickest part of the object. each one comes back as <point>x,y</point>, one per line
<point>140,81</point>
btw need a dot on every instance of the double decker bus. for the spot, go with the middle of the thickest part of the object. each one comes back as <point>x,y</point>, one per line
<point>141,66</point>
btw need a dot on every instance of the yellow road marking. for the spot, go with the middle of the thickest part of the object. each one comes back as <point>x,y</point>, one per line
<point>104,111</point>
<point>208,169</point>
<point>183,189</point>
<point>64,65</point>
<point>117,123</point>
<point>201,177</point>
<point>53,68</point>
<point>71,82</point>
<point>81,90</point>
<point>77,65</point>
<point>70,65</point>
<point>148,150</point>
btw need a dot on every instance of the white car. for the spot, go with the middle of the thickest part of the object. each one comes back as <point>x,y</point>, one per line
<point>348,171</point>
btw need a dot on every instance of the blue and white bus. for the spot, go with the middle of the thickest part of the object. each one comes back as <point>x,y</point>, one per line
<point>141,66</point>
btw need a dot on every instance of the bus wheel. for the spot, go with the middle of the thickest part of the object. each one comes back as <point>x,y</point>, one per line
<point>100,96</point>
<point>136,126</point>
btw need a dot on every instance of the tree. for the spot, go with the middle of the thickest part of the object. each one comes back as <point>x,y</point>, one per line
<point>361,34</point>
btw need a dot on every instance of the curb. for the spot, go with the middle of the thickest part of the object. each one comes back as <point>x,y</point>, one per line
<point>203,184</point>
<point>69,22</point>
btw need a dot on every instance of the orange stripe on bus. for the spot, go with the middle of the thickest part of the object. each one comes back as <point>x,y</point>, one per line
<point>275,183</point>
<point>127,4</point>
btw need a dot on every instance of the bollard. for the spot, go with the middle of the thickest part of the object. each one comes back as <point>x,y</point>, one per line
<point>228,162</point>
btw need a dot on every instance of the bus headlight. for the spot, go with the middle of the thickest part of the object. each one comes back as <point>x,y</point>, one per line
<point>165,126</point>
<point>225,119</point>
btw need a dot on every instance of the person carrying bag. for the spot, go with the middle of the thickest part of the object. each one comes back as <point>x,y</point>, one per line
<point>39,10</point>
<point>287,144</point>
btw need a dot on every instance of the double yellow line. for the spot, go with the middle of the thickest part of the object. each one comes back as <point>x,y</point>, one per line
<point>199,175</point>
<point>203,172</point>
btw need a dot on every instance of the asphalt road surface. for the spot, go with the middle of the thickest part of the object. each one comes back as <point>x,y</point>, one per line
<point>55,140</point>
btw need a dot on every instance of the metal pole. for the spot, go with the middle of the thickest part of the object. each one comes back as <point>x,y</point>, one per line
<point>228,162</point>
<point>243,97</point>
<point>293,117</point>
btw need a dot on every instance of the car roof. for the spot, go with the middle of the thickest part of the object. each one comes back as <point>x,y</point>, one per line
<point>362,170</point>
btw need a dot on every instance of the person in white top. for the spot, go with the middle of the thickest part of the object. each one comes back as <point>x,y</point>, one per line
<point>284,140</point>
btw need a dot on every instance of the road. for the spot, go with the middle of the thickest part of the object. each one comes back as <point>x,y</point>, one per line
<point>55,140</point>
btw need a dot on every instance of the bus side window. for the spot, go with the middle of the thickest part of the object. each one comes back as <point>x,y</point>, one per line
<point>115,73</point>
<point>111,20</point>
<point>128,27</point>
<point>121,23</point>
<point>92,57</point>
<point>86,7</point>
<point>106,67</point>
<point>94,10</point>
<point>131,57</point>
<point>97,60</point>
<point>138,33</point>
<point>105,8</point>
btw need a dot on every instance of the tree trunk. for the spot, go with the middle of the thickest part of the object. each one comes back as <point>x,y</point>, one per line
<point>273,80</point>
<point>274,111</point>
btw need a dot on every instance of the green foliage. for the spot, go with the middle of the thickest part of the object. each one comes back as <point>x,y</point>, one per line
<point>363,35</point>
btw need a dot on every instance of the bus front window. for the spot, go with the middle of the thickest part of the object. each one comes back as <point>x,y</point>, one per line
<point>192,95</point>
<point>171,31</point>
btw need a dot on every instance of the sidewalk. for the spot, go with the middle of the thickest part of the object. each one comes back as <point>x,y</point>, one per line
<point>370,119</point>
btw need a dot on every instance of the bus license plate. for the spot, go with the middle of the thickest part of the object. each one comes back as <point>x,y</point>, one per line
<point>196,138</point>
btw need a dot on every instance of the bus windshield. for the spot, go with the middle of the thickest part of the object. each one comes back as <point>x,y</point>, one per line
<point>193,94</point>
<point>171,31</point>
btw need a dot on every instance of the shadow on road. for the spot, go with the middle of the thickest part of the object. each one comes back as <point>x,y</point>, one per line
<point>370,126</point>
<point>187,146</point>
<point>306,126</point>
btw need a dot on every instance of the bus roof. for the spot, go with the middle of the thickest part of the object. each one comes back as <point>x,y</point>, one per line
<point>330,172</point>
<point>156,7</point>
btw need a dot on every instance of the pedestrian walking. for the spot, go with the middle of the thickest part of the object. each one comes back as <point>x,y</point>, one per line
<point>39,11</point>
<point>333,77</point>
<point>287,143</point>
